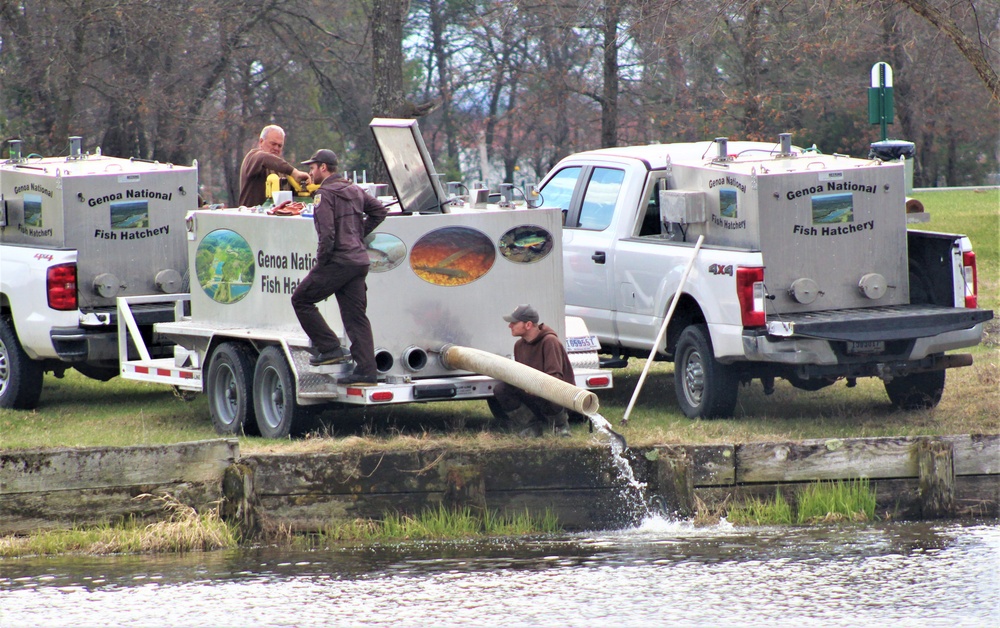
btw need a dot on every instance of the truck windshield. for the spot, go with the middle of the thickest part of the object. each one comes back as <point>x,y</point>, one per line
<point>558,191</point>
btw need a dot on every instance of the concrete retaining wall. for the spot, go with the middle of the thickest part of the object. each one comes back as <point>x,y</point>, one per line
<point>954,476</point>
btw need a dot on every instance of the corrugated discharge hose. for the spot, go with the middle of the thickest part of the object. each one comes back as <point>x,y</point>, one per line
<point>524,377</point>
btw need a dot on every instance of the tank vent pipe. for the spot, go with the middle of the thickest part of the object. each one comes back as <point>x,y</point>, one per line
<point>786,144</point>
<point>723,144</point>
<point>15,150</point>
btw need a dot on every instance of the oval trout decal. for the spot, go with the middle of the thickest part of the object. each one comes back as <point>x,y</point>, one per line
<point>452,256</point>
<point>525,244</point>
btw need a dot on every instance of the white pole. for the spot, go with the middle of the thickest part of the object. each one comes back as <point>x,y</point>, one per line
<point>663,329</point>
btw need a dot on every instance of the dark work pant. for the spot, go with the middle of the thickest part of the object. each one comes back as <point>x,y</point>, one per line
<point>348,284</point>
<point>510,397</point>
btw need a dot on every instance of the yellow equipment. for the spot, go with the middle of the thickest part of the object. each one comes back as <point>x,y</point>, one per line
<point>273,184</point>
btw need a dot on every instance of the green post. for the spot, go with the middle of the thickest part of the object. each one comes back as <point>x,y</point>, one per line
<point>880,101</point>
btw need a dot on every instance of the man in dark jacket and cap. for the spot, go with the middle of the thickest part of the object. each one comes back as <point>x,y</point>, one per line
<point>343,214</point>
<point>539,347</point>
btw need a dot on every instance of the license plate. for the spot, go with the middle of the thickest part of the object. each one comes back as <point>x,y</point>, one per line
<point>865,347</point>
<point>582,345</point>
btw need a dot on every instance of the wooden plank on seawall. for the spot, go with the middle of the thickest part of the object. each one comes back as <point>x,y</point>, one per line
<point>23,513</point>
<point>427,471</point>
<point>708,465</point>
<point>826,459</point>
<point>28,471</point>
<point>976,454</point>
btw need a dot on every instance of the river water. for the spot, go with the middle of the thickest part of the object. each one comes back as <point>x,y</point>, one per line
<point>659,573</point>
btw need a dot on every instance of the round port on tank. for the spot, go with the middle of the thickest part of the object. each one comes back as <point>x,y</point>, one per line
<point>383,360</point>
<point>414,359</point>
<point>804,290</point>
<point>169,281</point>
<point>107,285</point>
<point>873,286</point>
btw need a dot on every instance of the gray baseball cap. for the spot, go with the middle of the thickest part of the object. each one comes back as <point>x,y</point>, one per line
<point>523,313</point>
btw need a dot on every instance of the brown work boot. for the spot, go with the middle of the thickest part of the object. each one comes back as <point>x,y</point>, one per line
<point>520,417</point>
<point>532,431</point>
<point>358,379</point>
<point>334,356</point>
<point>559,423</point>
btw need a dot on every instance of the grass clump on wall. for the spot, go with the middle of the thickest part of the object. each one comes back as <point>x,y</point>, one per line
<point>820,502</point>
<point>439,524</point>
<point>756,512</point>
<point>851,500</point>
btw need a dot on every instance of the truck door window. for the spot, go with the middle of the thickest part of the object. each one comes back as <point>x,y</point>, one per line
<point>558,191</point>
<point>649,221</point>
<point>600,198</point>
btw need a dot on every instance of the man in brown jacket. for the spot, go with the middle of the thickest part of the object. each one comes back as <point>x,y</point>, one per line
<point>539,347</point>
<point>344,214</point>
<point>262,160</point>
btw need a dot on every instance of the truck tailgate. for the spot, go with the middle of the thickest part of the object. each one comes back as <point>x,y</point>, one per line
<point>896,322</point>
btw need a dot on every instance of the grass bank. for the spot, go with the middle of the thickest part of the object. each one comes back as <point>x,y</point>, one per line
<point>182,530</point>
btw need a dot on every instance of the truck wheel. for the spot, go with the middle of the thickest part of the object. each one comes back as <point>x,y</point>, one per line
<point>230,379</point>
<point>278,415</point>
<point>705,388</point>
<point>918,391</point>
<point>20,376</point>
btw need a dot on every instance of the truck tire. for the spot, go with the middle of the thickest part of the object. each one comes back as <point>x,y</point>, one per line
<point>278,415</point>
<point>20,376</point>
<point>228,385</point>
<point>919,391</point>
<point>705,388</point>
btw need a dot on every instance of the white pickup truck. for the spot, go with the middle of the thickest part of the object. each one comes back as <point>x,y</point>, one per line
<point>76,233</point>
<point>806,271</point>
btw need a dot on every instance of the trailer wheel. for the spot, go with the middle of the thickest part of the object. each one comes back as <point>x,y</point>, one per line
<point>278,415</point>
<point>20,376</point>
<point>705,388</point>
<point>919,391</point>
<point>229,382</point>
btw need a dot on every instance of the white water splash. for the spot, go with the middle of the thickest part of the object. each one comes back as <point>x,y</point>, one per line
<point>617,445</point>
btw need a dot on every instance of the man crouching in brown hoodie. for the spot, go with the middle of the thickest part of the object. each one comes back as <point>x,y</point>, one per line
<point>539,347</point>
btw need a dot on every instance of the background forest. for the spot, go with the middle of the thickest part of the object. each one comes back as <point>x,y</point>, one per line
<point>503,89</point>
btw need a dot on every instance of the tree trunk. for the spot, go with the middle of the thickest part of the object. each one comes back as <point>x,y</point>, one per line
<point>438,23</point>
<point>609,98</point>
<point>753,124</point>
<point>387,69</point>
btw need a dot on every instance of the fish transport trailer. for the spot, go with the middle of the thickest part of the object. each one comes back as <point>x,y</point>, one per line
<point>440,276</point>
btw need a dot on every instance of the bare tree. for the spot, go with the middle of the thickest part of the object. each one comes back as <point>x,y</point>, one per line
<point>974,51</point>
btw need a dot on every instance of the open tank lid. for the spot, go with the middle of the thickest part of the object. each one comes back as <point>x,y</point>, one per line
<point>411,170</point>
